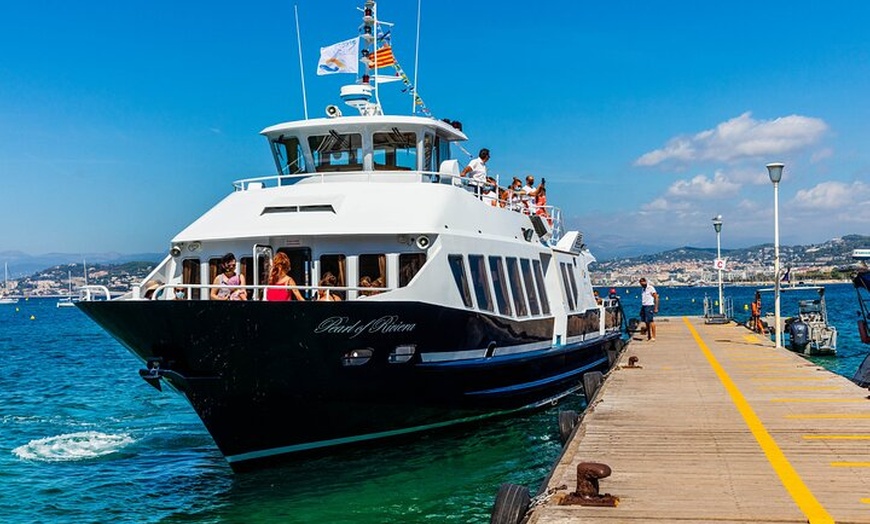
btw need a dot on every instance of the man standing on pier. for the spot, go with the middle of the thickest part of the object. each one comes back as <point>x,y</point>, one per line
<point>649,306</point>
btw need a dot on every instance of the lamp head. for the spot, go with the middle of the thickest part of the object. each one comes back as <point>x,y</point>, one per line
<point>774,170</point>
<point>717,223</point>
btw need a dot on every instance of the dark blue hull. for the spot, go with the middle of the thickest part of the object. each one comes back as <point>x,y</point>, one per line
<point>271,379</point>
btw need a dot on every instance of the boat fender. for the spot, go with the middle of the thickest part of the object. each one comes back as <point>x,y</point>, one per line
<point>591,382</point>
<point>423,242</point>
<point>567,422</point>
<point>511,504</point>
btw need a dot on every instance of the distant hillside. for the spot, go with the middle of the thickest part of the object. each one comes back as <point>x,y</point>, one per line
<point>22,264</point>
<point>835,252</point>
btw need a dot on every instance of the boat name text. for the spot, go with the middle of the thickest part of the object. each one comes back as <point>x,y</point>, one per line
<point>344,326</point>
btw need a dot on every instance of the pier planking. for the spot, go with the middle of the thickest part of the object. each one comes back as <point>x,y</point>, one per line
<point>716,425</point>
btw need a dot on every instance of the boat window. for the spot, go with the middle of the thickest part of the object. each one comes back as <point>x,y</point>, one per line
<point>337,265</point>
<point>395,150</point>
<point>372,272</point>
<point>496,268</point>
<point>246,267</point>
<point>443,151</point>
<point>409,265</point>
<point>573,284</point>
<point>289,156</point>
<point>336,152</point>
<point>530,286</point>
<point>214,268</point>
<point>542,289</point>
<point>480,282</point>
<point>517,287</point>
<point>190,275</point>
<point>565,286</point>
<point>457,265</point>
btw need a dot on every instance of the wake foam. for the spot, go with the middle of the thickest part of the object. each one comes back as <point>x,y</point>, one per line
<point>73,446</point>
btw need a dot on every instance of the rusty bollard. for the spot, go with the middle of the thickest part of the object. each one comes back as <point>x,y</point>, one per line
<point>632,362</point>
<point>587,494</point>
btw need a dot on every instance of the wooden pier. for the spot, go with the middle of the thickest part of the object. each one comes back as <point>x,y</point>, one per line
<point>716,425</point>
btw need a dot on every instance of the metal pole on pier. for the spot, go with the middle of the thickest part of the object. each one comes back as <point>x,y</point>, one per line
<point>774,170</point>
<point>717,225</point>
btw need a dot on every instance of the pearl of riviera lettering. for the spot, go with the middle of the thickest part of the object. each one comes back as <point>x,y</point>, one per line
<point>345,326</point>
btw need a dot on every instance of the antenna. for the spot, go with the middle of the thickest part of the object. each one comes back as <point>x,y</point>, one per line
<point>416,56</point>
<point>301,68</point>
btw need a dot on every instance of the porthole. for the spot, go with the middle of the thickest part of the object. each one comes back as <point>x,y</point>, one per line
<point>357,357</point>
<point>402,354</point>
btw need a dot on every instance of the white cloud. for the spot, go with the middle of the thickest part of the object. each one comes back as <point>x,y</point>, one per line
<point>741,138</point>
<point>701,187</point>
<point>838,196</point>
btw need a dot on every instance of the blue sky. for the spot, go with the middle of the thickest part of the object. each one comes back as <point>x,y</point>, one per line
<point>121,123</point>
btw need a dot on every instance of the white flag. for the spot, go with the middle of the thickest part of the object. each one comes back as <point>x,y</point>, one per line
<point>342,57</point>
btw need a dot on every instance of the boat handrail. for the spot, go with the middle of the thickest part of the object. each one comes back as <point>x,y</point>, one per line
<point>91,293</point>
<point>160,291</point>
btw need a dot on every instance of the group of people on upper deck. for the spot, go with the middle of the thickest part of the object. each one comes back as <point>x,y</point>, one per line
<point>518,197</point>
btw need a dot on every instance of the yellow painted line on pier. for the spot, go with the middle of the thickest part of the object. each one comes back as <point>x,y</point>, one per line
<point>850,464</point>
<point>836,437</point>
<point>830,416</point>
<point>792,482</point>
<point>818,400</point>
<point>800,388</point>
<point>865,501</point>
<point>752,338</point>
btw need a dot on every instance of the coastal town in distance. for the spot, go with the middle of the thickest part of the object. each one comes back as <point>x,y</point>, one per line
<point>827,262</point>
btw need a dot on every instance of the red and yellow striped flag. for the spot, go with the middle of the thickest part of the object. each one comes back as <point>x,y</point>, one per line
<point>384,58</point>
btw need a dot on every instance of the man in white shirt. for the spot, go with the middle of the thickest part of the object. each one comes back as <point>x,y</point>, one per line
<point>476,169</point>
<point>649,305</point>
<point>529,194</point>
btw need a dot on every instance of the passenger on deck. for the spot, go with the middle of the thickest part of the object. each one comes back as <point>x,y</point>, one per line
<point>325,295</point>
<point>280,276</point>
<point>529,194</point>
<point>476,169</point>
<point>541,203</point>
<point>227,280</point>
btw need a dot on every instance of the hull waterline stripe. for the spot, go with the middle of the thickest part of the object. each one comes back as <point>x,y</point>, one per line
<point>537,383</point>
<point>790,479</point>
<point>383,434</point>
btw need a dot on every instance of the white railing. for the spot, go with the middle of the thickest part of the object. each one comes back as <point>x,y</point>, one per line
<point>257,293</point>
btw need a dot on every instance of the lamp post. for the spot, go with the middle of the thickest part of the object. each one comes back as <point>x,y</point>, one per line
<point>717,225</point>
<point>774,170</point>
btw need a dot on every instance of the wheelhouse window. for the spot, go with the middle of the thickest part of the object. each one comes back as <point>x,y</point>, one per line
<point>335,265</point>
<point>430,152</point>
<point>542,289</point>
<point>480,282</point>
<point>395,150</point>
<point>517,287</point>
<point>573,283</point>
<point>457,266</point>
<point>409,266</point>
<point>372,273</point>
<point>496,268</point>
<point>289,156</point>
<point>336,152</point>
<point>190,274</point>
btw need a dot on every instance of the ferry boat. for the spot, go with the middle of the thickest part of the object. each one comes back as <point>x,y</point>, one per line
<point>453,308</point>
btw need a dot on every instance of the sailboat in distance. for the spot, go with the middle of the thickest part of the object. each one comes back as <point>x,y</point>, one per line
<point>4,295</point>
<point>67,301</point>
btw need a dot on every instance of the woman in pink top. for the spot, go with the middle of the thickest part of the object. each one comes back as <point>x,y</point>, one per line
<point>280,276</point>
<point>226,281</point>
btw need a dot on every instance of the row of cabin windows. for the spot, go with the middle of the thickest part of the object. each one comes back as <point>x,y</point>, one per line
<point>394,150</point>
<point>372,271</point>
<point>517,285</point>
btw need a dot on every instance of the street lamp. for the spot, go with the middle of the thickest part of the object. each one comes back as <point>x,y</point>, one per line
<point>717,225</point>
<point>774,170</point>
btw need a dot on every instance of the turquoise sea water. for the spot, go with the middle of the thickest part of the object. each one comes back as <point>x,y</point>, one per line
<point>84,439</point>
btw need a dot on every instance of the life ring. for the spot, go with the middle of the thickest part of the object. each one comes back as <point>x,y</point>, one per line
<point>511,504</point>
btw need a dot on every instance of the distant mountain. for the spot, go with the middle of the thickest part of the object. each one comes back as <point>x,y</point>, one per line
<point>834,252</point>
<point>21,264</point>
